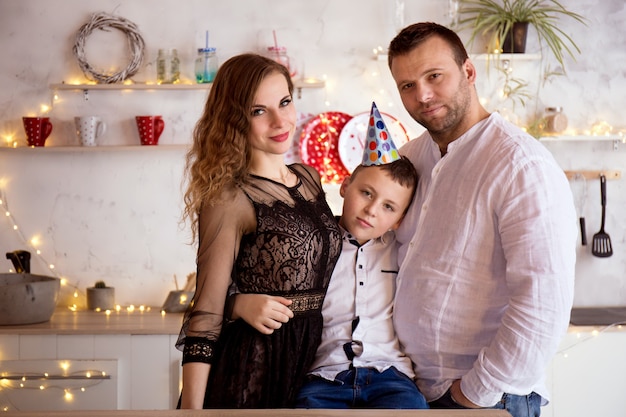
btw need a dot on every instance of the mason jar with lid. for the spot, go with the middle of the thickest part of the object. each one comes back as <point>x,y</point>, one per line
<point>556,120</point>
<point>279,54</point>
<point>168,67</point>
<point>206,65</point>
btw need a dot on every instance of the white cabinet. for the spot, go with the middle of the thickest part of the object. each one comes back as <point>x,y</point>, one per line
<point>588,375</point>
<point>137,355</point>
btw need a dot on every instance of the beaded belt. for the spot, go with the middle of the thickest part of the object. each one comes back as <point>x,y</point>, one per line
<point>305,302</point>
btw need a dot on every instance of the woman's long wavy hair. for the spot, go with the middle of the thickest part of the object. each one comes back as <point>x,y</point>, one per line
<point>220,154</point>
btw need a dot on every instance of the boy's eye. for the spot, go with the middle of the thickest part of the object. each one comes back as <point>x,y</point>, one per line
<point>389,207</point>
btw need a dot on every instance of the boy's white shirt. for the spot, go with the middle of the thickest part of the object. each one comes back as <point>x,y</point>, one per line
<point>363,285</point>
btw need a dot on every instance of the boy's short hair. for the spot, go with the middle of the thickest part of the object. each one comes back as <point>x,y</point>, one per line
<point>401,171</point>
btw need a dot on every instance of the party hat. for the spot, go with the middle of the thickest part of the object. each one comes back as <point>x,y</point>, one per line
<point>379,147</point>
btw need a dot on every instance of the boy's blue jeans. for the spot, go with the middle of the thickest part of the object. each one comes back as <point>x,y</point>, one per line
<point>362,388</point>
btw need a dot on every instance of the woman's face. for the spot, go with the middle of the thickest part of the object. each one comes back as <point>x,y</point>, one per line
<point>273,116</point>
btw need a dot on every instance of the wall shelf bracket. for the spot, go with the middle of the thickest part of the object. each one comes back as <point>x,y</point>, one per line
<point>610,174</point>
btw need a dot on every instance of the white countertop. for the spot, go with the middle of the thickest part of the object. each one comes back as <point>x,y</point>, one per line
<point>65,321</point>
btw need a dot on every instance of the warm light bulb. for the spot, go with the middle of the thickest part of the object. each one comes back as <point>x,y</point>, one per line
<point>65,365</point>
<point>68,396</point>
<point>51,266</point>
<point>41,387</point>
<point>88,374</point>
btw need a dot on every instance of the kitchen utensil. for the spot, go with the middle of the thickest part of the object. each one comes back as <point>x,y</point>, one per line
<point>601,245</point>
<point>580,194</point>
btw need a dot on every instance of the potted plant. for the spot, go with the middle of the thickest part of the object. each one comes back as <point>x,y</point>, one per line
<point>498,19</point>
<point>100,297</point>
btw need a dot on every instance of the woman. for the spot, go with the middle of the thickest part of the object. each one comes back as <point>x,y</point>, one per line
<point>262,227</point>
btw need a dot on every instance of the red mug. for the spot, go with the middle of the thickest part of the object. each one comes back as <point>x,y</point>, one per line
<point>150,129</point>
<point>37,130</point>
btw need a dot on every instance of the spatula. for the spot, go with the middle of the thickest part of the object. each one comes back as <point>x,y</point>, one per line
<point>601,245</point>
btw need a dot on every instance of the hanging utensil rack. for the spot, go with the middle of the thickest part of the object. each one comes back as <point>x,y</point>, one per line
<point>593,175</point>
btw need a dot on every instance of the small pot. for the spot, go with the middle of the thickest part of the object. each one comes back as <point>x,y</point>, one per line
<point>101,298</point>
<point>515,40</point>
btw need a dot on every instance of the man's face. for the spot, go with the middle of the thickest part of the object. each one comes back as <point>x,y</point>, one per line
<point>434,90</point>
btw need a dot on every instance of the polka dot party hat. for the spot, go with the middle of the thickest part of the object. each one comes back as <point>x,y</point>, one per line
<point>379,147</point>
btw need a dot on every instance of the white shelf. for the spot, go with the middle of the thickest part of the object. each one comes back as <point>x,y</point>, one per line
<point>104,148</point>
<point>583,138</point>
<point>297,83</point>
<point>510,57</point>
<point>83,87</point>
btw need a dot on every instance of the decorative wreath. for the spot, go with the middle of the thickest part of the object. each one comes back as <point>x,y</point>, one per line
<point>103,21</point>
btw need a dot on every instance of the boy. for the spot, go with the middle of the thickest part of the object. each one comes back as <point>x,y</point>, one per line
<point>359,363</point>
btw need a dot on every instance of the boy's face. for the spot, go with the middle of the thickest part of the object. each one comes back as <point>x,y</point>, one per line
<point>373,204</point>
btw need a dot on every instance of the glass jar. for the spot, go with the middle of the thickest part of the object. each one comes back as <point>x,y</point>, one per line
<point>206,65</point>
<point>279,54</point>
<point>168,67</point>
<point>556,120</point>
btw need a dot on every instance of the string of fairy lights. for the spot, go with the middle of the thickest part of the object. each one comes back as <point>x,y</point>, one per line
<point>69,383</point>
<point>33,245</point>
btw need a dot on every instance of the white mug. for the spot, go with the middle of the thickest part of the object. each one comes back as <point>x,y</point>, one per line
<point>89,128</point>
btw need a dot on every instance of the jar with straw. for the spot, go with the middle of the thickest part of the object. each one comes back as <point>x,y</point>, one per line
<point>206,63</point>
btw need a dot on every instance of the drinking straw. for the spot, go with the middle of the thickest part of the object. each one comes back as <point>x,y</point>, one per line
<point>206,69</point>
<point>275,41</point>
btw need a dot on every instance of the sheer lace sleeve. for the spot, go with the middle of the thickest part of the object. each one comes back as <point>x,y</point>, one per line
<point>219,235</point>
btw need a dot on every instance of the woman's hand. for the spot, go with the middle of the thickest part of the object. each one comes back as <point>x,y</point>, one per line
<point>265,313</point>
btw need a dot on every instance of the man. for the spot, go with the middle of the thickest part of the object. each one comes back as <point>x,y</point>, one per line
<point>487,251</point>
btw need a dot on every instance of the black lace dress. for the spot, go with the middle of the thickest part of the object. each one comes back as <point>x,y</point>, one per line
<point>291,253</point>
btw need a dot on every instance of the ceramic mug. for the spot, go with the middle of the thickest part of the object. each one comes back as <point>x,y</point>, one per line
<point>89,128</point>
<point>150,129</point>
<point>37,130</point>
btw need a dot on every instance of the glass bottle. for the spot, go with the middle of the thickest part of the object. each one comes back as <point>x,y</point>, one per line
<point>279,54</point>
<point>168,67</point>
<point>206,65</point>
<point>556,120</point>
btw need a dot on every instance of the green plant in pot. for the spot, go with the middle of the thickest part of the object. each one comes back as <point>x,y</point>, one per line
<point>498,19</point>
<point>100,297</point>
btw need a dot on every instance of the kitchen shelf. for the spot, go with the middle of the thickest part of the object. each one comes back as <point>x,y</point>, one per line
<point>502,57</point>
<point>104,148</point>
<point>84,87</point>
<point>616,139</point>
<point>582,138</point>
<point>298,84</point>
